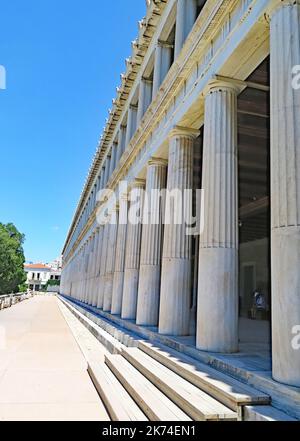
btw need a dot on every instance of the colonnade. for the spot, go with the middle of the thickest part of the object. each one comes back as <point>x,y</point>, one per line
<point>144,272</point>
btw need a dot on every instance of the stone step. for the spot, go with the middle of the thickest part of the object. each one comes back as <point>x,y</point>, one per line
<point>222,387</point>
<point>197,404</point>
<point>150,399</point>
<point>265,413</point>
<point>119,404</point>
<point>105,338</point>
<point>121,336</point>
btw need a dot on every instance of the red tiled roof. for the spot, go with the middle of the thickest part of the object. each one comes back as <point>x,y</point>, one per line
<point>37,266</point>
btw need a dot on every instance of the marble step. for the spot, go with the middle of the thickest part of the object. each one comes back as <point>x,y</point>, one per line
<point>105,338</point>
<point>222,387</point>
<point>119,404</point>
<point>197,404</point>
<point>152,401</point>
<point>265,413</point>
<point>122,336</point>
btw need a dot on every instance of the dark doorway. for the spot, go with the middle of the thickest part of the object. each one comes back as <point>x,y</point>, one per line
<point>254,208</point>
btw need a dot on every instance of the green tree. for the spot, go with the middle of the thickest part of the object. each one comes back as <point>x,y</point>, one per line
<point>12,259</point>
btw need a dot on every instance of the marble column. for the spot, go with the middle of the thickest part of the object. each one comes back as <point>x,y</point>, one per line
<point>151,248</point>
<point>185,19</point>
<point>132,257</point>
<point>162,64</point>
<point>113,158</point>
<point>86,270</point>
<point>98,265</point>
<point>175,296</point>
<point>102,179</point>
<point>110,261</point>
<point>101,286</point>
<point>82,272</point>
<point>91,270</point>
<point>217,319</point>
<point>131,123</point>
<point>118,283</point>
<point>95,269</point>
<point>107,169</point>
<point>95,195</point>
<point>145,98</point>
<point>121,142</point>
<point>285,192</point>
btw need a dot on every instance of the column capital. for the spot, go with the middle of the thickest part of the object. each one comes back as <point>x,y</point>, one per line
<point>158,162</point>
<point>215,85</point>
<point>138,183</point>
<point>165,44</point>
<point>179,131</point>
<point>146,80</point>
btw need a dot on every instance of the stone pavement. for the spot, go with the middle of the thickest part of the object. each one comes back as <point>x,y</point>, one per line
<point>43,374</point>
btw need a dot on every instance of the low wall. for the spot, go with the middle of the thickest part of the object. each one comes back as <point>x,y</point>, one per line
<point>8,300</point>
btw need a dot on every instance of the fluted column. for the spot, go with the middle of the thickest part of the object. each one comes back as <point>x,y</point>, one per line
<point>113,158</point>
<point>95,270</point>
<point>217,320</point>
<point>101,286</point>
<point>86,270</point>
<point>102,179</point>
<point>175,296</point>
<point>118,283</point>
<point>145,98</point>
<point>131,123</point>
<point>185,19</point>
<point>107,169</point>
<point>285,192</point>
<point>132,259</point>
<point>110,261</point>
<point>121,142</point>
<point>162,64</point>
<point>82,272</point>
<point>98,265</point>
<point>91,270</point>
<point>151,248</point>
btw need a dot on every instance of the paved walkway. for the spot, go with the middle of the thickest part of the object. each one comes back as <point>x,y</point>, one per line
<point>43,374</point>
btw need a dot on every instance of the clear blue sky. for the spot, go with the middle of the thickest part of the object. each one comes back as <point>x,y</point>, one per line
<point>63,60</point>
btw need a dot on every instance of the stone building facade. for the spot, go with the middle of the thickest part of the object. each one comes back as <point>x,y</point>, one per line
<point>207,101</point>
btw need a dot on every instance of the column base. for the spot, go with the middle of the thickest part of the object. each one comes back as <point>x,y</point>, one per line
<point>95,291</point>
<point>129,304</point>
<point>108,292</point>
<point>101,292</point>
<point>174,317</point>
<point>118,284</point>
<point>217,319</point>
<point>148,296</point>
<point>286,305</point>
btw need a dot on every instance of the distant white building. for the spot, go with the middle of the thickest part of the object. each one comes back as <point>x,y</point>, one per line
<point>38,274</point>
<point>56,265</point>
